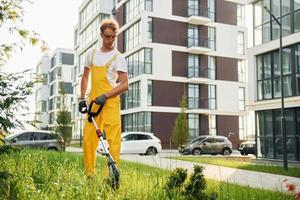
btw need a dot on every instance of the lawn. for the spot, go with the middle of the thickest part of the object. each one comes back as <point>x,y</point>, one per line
<point>54,175</point>
<point>240,164</point>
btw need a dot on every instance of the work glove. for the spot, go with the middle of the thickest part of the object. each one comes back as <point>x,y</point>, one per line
<point>83,108</point>
<point>101,100</point>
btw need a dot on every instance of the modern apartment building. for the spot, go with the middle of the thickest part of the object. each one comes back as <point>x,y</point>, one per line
<point>42,93</point>
<point>195,48</point>
<point>264,77</point>
<point>86,37</point>
<point>60,77</point>
<point>56,72</point>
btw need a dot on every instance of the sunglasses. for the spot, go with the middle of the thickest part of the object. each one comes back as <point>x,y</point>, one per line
<point>109,36</point>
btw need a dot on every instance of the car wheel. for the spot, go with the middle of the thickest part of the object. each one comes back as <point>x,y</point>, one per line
<point>226,152</point>
<point>197,151</point>
<point>52,149</point>
<point>151,151</point>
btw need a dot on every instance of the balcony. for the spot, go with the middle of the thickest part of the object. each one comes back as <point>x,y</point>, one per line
<point>198,16</point>
<point>200,74</point>
<point>199,45</point>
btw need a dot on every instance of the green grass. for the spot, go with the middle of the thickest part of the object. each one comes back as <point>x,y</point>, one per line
<point>240,164</point>
<point>59,175</point>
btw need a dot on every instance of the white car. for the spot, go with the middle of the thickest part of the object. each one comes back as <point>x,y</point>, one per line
<point>136,143</point>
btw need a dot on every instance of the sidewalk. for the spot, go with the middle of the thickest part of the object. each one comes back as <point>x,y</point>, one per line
<point>231,175</point>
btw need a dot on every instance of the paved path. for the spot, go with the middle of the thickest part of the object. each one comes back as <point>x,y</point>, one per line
<point>231,175</point>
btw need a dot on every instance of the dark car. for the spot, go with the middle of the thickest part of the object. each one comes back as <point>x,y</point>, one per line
<point>207,144</point>
<point>36,139</point>
<point>247,147</point>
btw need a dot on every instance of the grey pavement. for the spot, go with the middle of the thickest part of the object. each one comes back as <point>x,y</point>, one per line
<point>231,175</point>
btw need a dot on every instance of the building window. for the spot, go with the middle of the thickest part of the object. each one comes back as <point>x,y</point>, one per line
<point>149,92</point>
<point>243,129</point>
<point>266,28</point>
<point>132,36</point>
<point>212,96</point>
<point>241,46</point>
<point>297,15</point>
<point>45,79</point>
<point>212,67</point>
<point>193,8</point>
<point>242,71</point>
<point>212,38</point>
<point>193,96</point>
<point>141,121</point>
<point>269,136</point>
<point>297,62</point>
<point>44,106</point>
<point>139,63</point>
<point>193,35</point>
<point>135,7</point>
<point>66,59</point>
<point>212,125</point>
<point>89,12</point>
<point>150,27</point>
<point>240,15</point>
<point>193,123</point>
<point>211,9</point>
<point>268,74</point>
<point>242,98</point>
<point>193,65</point>
<point>132,98</point>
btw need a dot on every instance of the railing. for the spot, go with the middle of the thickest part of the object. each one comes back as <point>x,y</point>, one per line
<point>201,72</point>
<point>201,42</point>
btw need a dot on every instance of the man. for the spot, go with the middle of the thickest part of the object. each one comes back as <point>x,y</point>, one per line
<point>109,79</point>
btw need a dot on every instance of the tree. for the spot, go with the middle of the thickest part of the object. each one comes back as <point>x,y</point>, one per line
<point>15,87</point>
<point>64,120</point>
<point>180,130</point>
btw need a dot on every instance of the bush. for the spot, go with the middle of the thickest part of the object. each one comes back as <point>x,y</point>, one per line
<point>176,178</point>
<point>193,189</point>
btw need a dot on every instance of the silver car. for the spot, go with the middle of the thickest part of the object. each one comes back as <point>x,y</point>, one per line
<point>207,144</point>
<point>36,139</point>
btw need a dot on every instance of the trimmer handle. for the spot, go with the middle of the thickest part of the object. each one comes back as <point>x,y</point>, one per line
<point>93,114</point>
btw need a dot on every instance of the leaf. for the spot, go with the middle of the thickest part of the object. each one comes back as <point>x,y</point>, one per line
<point>33,41</point>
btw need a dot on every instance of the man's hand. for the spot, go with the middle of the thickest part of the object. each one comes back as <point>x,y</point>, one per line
<point>101,100</point>
<point>83,108</point>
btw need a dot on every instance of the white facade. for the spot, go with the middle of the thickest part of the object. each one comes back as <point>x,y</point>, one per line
<point>42,93</point>
<point>227,44</point>
<point>60,76</point>
<point>86,37</point>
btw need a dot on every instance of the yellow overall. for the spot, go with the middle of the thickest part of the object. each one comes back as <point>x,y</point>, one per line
<point>109,119</point>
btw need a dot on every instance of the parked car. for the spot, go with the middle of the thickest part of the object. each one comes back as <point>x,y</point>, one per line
<point>207,144</point>
<point>137,143</point>
<point>36,139</point>
<point>247,147</point>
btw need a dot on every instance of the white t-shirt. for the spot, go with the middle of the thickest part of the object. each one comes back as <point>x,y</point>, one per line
<point>101,58</point>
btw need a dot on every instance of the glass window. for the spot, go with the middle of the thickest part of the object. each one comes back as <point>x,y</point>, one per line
<point>149,93</point>
<point>286,25</point>
<point>212,125</point>
<point>243,128</point>
<point>139,62</point>
<point>266,32</point>
<point>240,42</point>
<point>132,98</point>
<point>193,96</point>
<point>212,96</point>
<point>193,65</point>
<point>211,38</point>
<point>193,35</point>
<point>297,21</point>
<point>132,36</point>
<point>240,15</point>
<point>242,98</point>
<point>193,124</point>
<point>242,70</point>
<point>212,67</point>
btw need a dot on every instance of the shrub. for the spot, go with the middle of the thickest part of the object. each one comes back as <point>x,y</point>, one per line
<point>176,178</point>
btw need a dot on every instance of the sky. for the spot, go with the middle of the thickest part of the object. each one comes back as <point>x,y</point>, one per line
<point>54,20</point>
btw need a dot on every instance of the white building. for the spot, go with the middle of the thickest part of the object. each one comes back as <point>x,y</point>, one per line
<point>86,37</point>
<point>42,93</point>
<point>176,47</point>
<point>60,76</point>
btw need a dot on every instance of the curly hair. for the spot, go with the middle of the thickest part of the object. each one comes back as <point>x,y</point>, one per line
<point>109,23</point>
